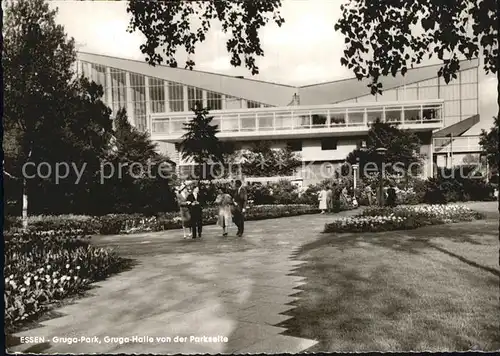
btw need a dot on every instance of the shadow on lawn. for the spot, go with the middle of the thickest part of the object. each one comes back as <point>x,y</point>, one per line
<point>346,309</point>
<point>413,241</point>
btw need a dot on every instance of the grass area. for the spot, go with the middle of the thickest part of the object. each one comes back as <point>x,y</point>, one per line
<point>434,288</point>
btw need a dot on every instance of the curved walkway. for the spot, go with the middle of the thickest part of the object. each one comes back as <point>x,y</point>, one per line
<point>234,288</point>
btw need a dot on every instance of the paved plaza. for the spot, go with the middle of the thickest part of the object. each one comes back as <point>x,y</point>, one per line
<point>235,288</point>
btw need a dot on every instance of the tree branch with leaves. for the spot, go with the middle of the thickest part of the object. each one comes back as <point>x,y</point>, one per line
<point>170,25</point>
<point>383,37</point>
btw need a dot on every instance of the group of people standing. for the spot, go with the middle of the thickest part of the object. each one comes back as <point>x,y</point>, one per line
<point>328,195</point>
<point>232,203</point>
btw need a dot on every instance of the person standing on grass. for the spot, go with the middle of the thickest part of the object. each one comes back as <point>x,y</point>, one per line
<point>240,204</point>
<point>329,199</point>
<point>196,212</point>
<point>322,197</point>
<point>391,196</point>
<point>369,194</point>
<point>225,202</point>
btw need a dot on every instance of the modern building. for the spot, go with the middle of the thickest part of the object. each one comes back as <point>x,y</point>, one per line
<point>324,122</point>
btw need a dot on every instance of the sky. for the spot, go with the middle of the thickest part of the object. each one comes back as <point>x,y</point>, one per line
<point>304,50</point>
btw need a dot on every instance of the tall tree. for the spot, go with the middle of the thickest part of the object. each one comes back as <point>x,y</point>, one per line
<point>50,115</point>
<point>170,25</point>
<point>200,142</point>
<point>489,145</point>
<point>143,178</point>
<point>403,148</point>
<point>37,62</point>
<point>385,36</point>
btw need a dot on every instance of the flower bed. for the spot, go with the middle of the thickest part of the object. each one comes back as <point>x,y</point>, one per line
<point>403,218</point>
<point>46,266</point>
<point>131,223</point>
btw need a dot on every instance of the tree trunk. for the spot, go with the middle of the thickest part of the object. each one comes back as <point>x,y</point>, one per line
<point>25,194</point>
<point>25,203</point>
<point>498,118</point>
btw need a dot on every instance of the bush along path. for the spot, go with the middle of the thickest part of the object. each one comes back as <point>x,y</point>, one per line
<point>403,218</point>
<point>42,268</point>
<point>134,223</point>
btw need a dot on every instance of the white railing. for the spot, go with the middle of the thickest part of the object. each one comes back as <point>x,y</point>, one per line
<point>456,144</point>
<point>287,118</point>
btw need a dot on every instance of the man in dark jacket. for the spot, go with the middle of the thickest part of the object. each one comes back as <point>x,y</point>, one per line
<point>240,202</point>
<point>195,205</point>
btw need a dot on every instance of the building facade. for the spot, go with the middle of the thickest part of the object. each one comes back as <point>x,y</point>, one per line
<point>323,122</point>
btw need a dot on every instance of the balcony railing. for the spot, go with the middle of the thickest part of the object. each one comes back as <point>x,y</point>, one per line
<point>465,144</point>
<point>280,119</point>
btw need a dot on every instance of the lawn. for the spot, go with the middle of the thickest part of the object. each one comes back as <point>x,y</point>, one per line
<point>434,288</point>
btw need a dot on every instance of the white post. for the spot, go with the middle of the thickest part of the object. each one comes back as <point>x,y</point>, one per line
<point>355,176</point>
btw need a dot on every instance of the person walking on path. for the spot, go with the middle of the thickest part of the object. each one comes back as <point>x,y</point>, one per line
<point>240,204</point>
<point>225,203</point>
<point>185,215</point>
<point>195,201</point>
<point>322,200</point>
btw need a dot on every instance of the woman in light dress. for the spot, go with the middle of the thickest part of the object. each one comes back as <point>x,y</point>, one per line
<point>225,203</point>
<point>181,194</point>
<point>323,200</point>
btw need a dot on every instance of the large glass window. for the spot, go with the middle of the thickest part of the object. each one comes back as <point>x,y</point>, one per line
<point>389,95</point>
<point>367,99</point>
<point>393,114</point>
<point>157,95</point>
<point>468,76</point>
<point>252,104</point>
<point>233,103</point>
<point>355,118</point>
<point>428,83</point>
<point>372,116</point>
<point>118,89</point>
<point>195,95</point>
<point>176,97</point>
<point>138,90</point>
<point>98,75</point>
<point>214,100</point>
<point>469,91</point>
<point>450,92</point>
<point>85,70</point>
<point>428,93</point>
<point>408,93</point>
<point>469,107</point>
<point>452,108</point>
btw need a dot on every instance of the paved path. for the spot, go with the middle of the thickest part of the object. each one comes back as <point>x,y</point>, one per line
<point>237,288</point>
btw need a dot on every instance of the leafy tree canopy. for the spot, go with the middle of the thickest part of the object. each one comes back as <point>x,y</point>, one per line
<point>489,144</point>
<point>385,36</point>
<point>403,147</point>
<point>170,25</point>
<point>132,145</point>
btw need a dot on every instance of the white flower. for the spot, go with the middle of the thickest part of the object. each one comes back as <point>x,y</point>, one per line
<point>67,265</point>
